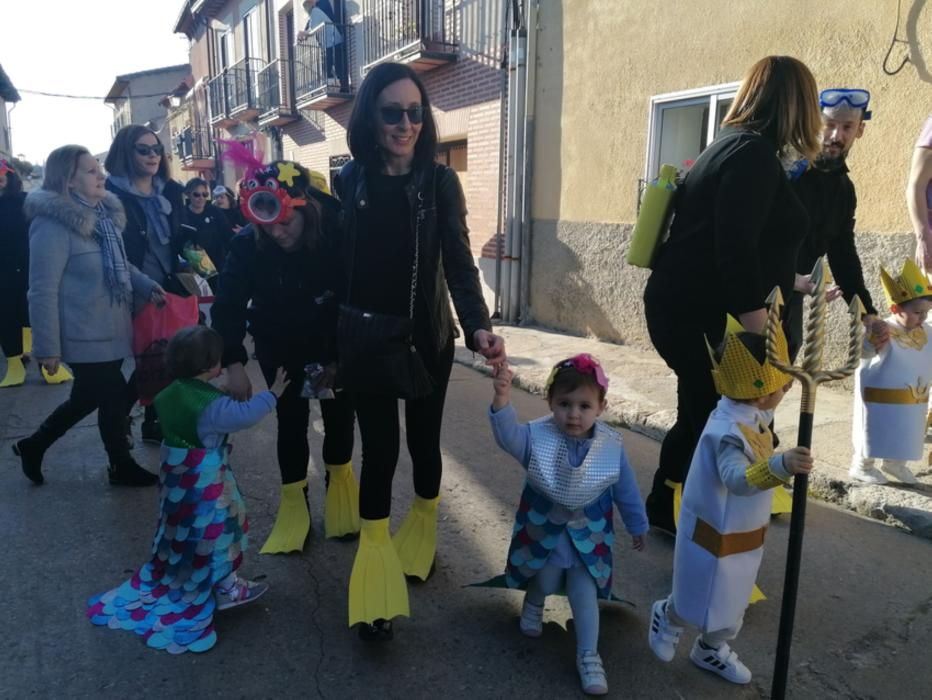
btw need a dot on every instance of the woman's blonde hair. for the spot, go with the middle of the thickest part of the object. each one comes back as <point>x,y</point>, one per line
<point>778,97</point>
<point>60,167</point>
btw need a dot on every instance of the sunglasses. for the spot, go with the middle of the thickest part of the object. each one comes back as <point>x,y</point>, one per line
<point>144,150</point>
<point>199,195</point>
<point>393,115</point>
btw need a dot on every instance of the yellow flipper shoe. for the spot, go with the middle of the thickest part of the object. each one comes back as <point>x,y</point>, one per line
<point>61,375</point>
<point>341,506</point>
<point>377,586</point>
<point>782,501</point>
<point>15,372</point>
<point>292,523</point>
<point>757,595</point>
<point>27,340</point>
<point>416,539</point>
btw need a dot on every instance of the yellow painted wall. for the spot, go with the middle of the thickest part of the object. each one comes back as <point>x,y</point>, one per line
<point>600,61</point>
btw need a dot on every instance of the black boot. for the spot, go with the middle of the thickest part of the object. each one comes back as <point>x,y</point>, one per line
<point>30,453</point>
<point>124,471</point>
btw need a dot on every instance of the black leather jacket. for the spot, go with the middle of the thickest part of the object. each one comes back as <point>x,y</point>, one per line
<point>446,261</point>
<point>135,236</point>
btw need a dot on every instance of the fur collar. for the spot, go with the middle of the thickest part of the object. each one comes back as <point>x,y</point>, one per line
<point>65,210</point>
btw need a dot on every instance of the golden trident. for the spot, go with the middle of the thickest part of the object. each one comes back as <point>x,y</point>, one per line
<point>810,376</point>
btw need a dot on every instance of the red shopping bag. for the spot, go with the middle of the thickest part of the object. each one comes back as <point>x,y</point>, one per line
<point>152,329</point>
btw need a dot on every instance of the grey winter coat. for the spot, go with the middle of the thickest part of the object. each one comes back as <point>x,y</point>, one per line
<point>70,308</point>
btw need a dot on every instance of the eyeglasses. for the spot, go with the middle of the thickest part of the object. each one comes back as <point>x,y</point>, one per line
<point>199,195</point>
<point>393,115</point>
<point>857,98</point>
<point>146,150</point>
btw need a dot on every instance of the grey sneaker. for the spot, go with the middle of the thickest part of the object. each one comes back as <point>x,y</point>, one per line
<point>722,661</point>
<point>532,619</point>
<point>240,593</point>
<point>591,673</point>
<point>866,473</point>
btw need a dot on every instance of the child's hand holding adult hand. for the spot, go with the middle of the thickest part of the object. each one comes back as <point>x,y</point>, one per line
<point>501,384</point>
<point>280,384</point>
<point>798,460</point>
<point>639,542</point>
<point>878,333</point>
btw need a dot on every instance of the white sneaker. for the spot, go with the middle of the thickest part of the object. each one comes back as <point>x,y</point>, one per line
<point>866,473</point>
<point>532,619</point>
<point>239,593</point>
<point>591,673</point>
<point>722,661</point>
<point>663,636</point>
<point>898,468</point>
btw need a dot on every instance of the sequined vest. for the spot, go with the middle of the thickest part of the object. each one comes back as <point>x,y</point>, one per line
<point>549,470</point>
<point>179,406</point>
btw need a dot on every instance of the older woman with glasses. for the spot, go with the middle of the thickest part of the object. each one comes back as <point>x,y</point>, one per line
<point>138,176</point>
<point>81,287</point>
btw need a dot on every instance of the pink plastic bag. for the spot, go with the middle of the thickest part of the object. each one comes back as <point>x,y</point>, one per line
<point>152,329</point>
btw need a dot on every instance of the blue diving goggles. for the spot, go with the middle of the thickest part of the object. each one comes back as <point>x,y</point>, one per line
<point>854,97</point>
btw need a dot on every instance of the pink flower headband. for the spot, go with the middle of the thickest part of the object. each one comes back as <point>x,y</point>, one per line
<point>584,363</point>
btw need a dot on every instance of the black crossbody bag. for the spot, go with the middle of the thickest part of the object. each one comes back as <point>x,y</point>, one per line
<point>376,351</point>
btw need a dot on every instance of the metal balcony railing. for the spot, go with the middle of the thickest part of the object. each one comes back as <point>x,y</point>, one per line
<point>242,84</point>
<point>321,63</point>
<point>401,30</point>
<point>217,95</point>
<point>268,84</point>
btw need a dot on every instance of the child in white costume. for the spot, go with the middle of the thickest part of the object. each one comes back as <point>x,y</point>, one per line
<point>726,509</point>
<point>892,383</point>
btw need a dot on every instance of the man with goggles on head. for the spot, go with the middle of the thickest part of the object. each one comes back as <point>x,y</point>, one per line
<point>829,197</point>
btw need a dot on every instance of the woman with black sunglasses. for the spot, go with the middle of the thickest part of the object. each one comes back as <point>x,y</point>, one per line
<point>405,246</point>
<point>138,175</point>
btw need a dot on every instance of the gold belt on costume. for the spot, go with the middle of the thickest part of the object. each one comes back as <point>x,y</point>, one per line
<point>730,543</point>
<point>905,396</point>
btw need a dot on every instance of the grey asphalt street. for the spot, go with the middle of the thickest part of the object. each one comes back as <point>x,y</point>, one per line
<point>863,625</point>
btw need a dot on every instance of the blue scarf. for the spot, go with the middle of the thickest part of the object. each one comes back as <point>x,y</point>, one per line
<point>116,270</point>
<point>154,205</point>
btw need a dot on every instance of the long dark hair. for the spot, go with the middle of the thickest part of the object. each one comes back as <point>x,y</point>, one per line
<point>120,157</point>
<point>361,133</point>
<point>14,185</point>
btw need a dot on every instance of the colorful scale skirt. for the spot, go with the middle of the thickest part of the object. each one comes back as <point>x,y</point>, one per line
<point>200,540</point>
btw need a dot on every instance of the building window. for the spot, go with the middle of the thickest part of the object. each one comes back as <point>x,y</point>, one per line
<point>680,126</point>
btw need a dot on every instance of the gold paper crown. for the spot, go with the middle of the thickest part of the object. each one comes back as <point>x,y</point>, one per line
<point>912,283</point>
<point>738,375</point>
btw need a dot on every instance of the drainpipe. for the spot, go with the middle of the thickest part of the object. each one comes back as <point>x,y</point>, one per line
<point>517,232</point>
<point>524,261</point>
<point>502,161</point>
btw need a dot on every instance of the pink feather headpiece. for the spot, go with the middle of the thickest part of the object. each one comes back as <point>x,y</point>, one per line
<point>584,363</point>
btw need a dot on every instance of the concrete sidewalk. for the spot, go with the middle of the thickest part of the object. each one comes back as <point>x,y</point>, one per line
<point>642,397</point>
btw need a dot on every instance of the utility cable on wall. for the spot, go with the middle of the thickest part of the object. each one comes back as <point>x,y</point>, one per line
<point>896,40</point>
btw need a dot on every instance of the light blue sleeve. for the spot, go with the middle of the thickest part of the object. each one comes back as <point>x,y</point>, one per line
<point>511,436</point>
<point>733,464</point>
<point>226,415</point>
<point>627,498</point>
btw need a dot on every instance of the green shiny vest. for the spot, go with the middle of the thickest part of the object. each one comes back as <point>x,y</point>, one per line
<point>179,406</point>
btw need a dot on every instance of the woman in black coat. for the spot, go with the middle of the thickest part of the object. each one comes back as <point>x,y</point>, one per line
<point>280,283</point>
<point>14,274</point>
<point>735,235</point>
<point>138,174</point>
<point>399,206</point>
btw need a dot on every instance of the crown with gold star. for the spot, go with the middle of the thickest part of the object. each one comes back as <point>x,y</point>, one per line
<point>910,284</point>
<point>738,375</point>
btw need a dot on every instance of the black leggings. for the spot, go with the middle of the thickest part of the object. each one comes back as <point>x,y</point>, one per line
<point>294,413</point>
<point>14,316</point>
<point>681,342</point>
<point>100,386</point>
<point>380,429</point>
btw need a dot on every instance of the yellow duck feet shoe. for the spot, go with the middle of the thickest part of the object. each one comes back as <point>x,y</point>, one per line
<point>377,587</point>
<point>61,375</point>
<point>15,372</point>
<point>416,539</point>
<point>293,522</point>
<point>341,505</point>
